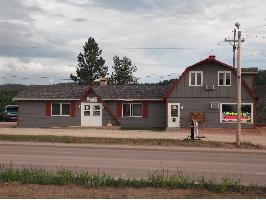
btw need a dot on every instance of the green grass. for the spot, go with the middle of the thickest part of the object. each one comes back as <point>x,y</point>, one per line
<point>157,179</point>
<point>125,141</point>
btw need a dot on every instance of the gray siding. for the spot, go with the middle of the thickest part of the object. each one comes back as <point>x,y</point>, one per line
<point>107,116</point>
<point>249,80</point>
<point>198,99</point>
<point>261,106</point>
<point>156,116</point>
<point>32,114</point>
<point>210,77</point>
<point>212,116</point>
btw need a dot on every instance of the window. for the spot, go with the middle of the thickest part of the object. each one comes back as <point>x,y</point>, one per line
<point>228,113</point>
<point>224,78</point>
<point>96,110</point>
<point>132,110</point>
<point>195,78</point>
<point>60,109</point>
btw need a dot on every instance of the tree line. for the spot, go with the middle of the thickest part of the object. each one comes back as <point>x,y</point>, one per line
<point>91,67</point>
<point>7,93</point>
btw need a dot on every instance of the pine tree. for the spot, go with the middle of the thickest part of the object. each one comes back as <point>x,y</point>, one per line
<point>90,64</point>
<point>123,71</point>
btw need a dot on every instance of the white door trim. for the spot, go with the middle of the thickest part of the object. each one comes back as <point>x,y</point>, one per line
<point>91,114</point>
<point>173,115</point>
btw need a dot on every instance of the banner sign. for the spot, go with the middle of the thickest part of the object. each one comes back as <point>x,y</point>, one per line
<point>229,113</point>
<point>232,117</point>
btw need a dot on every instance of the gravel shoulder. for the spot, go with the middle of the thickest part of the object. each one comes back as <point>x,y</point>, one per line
<point>29,191</point>
<point>255,136</point>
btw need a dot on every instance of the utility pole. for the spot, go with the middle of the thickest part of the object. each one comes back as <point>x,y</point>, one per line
<point>238,77</point>
<point>238,94</point>
<point>234,49</point>
<point>233,43</point>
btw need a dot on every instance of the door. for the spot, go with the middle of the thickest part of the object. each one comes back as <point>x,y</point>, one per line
<point>174,115</point>
<point>91,114</point>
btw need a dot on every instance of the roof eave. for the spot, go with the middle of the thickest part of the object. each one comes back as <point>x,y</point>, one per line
<point>110,99</point>
<point>249,73</point>
<point>45,99</point>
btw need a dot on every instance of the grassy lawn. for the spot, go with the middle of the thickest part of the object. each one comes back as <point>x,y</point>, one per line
<point>16,183</point>
<point>126,141</point>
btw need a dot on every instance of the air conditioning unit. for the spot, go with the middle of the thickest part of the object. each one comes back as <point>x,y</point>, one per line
<point>209,87</point>
<point>215,105</point>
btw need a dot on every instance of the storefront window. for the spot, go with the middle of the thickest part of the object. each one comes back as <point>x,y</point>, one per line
<point>229,113</point>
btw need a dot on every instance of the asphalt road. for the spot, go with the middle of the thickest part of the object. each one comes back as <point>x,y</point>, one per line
<point>138,162</point>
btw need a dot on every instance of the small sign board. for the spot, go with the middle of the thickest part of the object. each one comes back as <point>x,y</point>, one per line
<point>197,116</point>
<point>92,99</point>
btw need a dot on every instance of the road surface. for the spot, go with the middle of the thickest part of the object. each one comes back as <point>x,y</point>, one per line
<point>139,162</point>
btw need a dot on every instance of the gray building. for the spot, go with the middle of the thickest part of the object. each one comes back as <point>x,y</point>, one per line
<point>204,92</point>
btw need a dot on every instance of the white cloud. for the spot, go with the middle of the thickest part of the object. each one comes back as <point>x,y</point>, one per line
<point>41,35</point>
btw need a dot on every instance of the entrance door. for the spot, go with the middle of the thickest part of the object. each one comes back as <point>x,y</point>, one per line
<point>91,114</point>
<point>174,115</point>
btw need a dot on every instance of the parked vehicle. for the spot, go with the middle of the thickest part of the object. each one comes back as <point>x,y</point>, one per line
<point>11,113</point>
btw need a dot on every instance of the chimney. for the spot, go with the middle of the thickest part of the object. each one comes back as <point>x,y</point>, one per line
<point>211,57</point>
<point>103,81</point>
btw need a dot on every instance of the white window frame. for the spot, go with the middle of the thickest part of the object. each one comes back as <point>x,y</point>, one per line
<point>196,75</point>
<point>224,78</point>
<point>252,111</point>
<point>61,109</point>
<point>131,109</point>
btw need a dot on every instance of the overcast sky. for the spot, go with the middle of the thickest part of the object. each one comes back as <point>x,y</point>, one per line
<point>40,39</point>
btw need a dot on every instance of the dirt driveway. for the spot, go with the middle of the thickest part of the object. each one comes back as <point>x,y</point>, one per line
<point>256,136</point>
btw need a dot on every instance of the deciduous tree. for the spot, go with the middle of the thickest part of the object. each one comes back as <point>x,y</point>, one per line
<point>123,71</point>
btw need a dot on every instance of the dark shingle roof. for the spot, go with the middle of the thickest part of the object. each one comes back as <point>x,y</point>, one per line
<point>73,91</point>
<point>59,91</point>
<point>141,91</point>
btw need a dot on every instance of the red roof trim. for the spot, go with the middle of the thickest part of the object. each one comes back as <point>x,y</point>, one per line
<point>83,97</point>
<point>210,59</point>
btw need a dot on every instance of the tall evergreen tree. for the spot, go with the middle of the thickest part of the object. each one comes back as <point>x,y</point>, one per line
<point>90,64</point>
<point>123,71</point>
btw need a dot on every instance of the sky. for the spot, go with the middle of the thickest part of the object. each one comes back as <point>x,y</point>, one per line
<point>41,39</point>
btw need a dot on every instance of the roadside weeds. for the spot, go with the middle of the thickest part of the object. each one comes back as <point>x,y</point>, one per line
<point>128,141</point>
<point>161,180</point>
